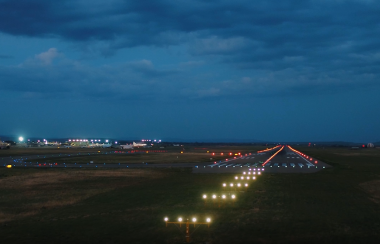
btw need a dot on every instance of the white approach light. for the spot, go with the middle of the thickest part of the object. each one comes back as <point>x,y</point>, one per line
<point>238,184</point>
<point>253,178</point>
<point>259,173</point>
<point>242,177</point>
<point>213,196</point>
<point>236,177</point>
<point>179,219</point>
<point>247,178</point>
<point>231,184</point>
<point>243,173</point>
<point>194,219</point>
<point>204,196</point>
<point>246,185</point>
<point>166,219</point>
<point>224,196</point>
<point>21,138</point>
<point>208,220</point>
<point>233,196</point>
<point>224,184</point>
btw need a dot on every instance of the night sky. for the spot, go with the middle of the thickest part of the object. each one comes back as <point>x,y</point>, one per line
<point>289,70</point>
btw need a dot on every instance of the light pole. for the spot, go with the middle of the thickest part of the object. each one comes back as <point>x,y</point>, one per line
<point>193,221</point>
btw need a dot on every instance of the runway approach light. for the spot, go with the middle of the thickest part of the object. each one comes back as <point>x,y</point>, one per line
<point>166,219</point>
<point>204,196</point>
<point>21,138</point>
<point>179,219</point>
<point>194,219</point>
<point>208,220</point>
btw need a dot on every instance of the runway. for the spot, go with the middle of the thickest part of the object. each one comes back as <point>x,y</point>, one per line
<point>287,160</point>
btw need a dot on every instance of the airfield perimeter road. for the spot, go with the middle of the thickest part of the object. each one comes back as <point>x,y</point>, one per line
<point>286,161</point>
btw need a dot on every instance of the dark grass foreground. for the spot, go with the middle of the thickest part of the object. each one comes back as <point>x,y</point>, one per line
<point>337,205</point>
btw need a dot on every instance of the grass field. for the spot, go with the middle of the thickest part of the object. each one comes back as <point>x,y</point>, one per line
<point>336,205</point>
<point>105,155</point>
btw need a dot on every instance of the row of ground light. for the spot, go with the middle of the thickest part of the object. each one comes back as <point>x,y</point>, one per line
<point>220,199</point>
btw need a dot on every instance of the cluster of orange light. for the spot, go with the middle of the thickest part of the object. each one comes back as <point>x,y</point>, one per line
<point>268,149</point>
<point>301,154</point>
<point>221,154</point>
<point>273,156</point>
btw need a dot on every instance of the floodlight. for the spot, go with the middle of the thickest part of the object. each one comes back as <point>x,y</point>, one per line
<point>21,138</point>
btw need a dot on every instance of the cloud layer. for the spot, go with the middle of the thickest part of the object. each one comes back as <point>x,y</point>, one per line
<point>240,47</point>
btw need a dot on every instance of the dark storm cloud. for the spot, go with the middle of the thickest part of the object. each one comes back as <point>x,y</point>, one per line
<point>143,22</point>
<point>291,45</point>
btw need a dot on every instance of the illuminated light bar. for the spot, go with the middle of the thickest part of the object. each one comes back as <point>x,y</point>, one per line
<point>301,154</point>
<point>273,155</point>
<point>265,150</point>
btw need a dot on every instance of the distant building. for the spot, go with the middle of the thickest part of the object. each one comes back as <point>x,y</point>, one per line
<point>370,145</point>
